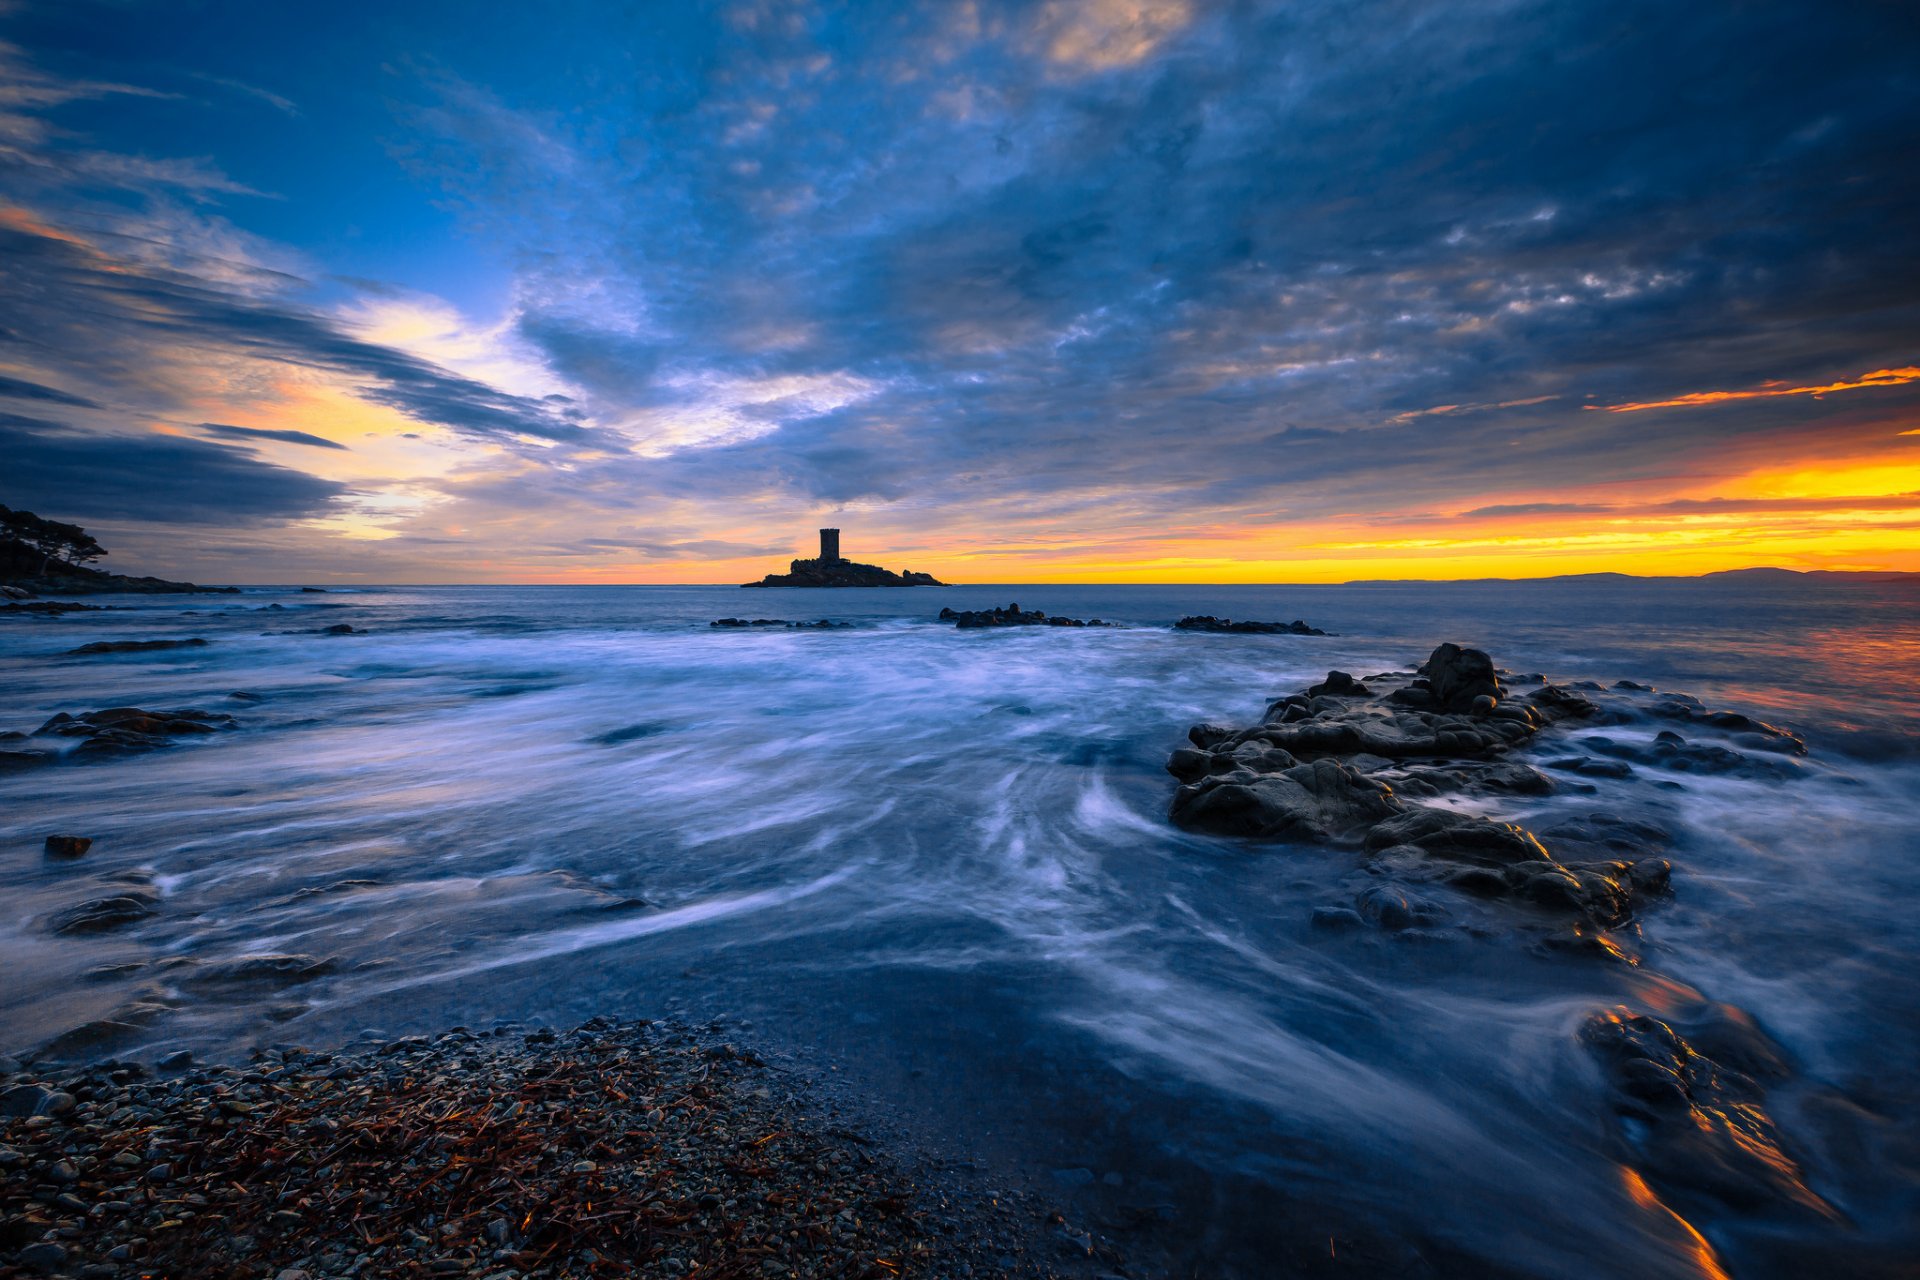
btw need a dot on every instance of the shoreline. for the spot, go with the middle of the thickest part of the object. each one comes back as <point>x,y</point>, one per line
<point>611,1148</point>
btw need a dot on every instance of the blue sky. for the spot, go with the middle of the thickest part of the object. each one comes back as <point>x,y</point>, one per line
<point>1113,289</point>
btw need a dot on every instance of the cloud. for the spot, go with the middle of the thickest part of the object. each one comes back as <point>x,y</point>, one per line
<point>987,273</point>
<point>60,472</point>
<point>1878,378</point>
<point>21,389</point>
<point>258,433</point>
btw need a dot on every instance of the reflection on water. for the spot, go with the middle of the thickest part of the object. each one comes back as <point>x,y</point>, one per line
<point>940,859</point>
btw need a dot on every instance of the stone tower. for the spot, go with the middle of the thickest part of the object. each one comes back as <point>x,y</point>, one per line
<point>830,545</point>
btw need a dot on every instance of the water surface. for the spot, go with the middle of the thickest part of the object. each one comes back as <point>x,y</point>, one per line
<point>935,864</point>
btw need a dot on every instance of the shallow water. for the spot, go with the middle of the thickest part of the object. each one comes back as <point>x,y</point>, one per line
<point>936,863</point>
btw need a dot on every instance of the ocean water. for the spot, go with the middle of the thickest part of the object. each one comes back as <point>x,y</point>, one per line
<point>933,869</point>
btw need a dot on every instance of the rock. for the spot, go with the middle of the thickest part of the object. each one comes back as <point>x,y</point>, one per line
<point>134,646</point>
<point>1457,837</point>
<point>1011,616</point>
<point>270,969</point>
<point>1338,684</point>
<point>740,623</point>
<point>124,730</point>
<point>44,1256</point>
<point>1337,919</point>
<point>341,629</point>
<point>1319,801</point>
<point>1698,1124</point>
<point>1207,622</point>
<point>98,914</point>
<point>1457,676</point>
<point>68,846</point>
<point>23,1100</point>
<point>1592,768</point>
<point>178,1060</point>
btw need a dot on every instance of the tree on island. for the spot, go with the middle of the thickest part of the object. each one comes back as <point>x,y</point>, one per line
<point>51,539</point>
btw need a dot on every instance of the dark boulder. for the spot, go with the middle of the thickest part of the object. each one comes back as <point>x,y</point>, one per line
<point>1321,801</point>
<point>68,846</point>
<point>1456,676</point>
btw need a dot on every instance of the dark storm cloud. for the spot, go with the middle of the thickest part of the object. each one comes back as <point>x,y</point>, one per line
<point>64,473</point>
<point>260,433</point>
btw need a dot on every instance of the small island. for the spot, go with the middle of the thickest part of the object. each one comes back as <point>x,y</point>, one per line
<point>830,570</point>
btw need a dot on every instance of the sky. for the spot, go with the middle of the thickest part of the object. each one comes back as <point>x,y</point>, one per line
<point>1076,290</point>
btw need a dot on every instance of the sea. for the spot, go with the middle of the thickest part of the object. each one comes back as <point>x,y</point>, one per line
<point>931,872</point>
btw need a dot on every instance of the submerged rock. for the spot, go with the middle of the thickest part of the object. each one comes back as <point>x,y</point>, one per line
<point>135,646</point>
<point>1697,1123</point>
<point>1012,616</point>
<point>68,846</point>
<point>1207,622</point>
<point>736,624</point>
<point>97,915</point>
<point>125,730</point>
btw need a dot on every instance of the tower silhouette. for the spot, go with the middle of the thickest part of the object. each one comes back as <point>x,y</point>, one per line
<point>830,545</point>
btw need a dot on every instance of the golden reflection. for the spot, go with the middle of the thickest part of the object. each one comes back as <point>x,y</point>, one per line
<point>1698,1249</point>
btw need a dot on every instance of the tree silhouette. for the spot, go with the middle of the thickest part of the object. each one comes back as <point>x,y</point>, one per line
<point>52,539</point>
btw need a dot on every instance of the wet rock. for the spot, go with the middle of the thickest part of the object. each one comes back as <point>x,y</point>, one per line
<point>341,629</point>
<point>1698,1124</point>
<point>1337,919</point>
<point>99,914</point>
<point>23,1099</point>
<point>271,969</point>
<point>1320,801</point>
<point>1393,909</point>
<point>1457,837</point>
<point>1012,616</point>
<point>1592,768</point>
<point>44,1256</point>
<point>1456,676</point>
<point>736,624</point>
<point>68,846</point>
<point>125,730</point>
<point>135,646</point>
<point>1338,684</point>
<point>1207,622</point>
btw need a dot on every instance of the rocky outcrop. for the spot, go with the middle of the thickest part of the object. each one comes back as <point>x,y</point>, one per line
<point>1347,761</point>
<point>747,624</point>
<point>1012,616</point>
<point>1207,622</point>
<point>843,573</point>
<point>1692,1109</point>
<point>134,646</point>
<point>115,731</point>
